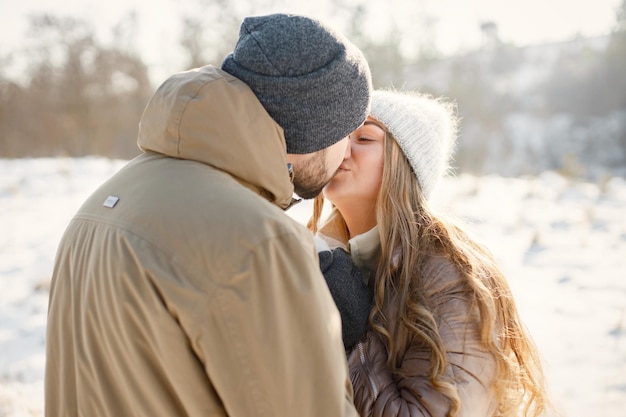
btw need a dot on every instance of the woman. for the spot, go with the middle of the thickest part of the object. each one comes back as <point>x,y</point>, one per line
<point>445,337</point>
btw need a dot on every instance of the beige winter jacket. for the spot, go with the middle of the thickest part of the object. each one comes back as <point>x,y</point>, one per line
<point>181,288</point>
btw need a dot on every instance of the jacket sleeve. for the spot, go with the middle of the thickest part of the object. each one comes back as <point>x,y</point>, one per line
<point>273,344</point>
<point>379,393</point>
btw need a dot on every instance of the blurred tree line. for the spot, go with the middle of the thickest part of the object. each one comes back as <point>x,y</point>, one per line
<point>523,109</point>
<point>78,97</point>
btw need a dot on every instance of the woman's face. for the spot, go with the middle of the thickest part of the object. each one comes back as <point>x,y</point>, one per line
<point>358,179</point>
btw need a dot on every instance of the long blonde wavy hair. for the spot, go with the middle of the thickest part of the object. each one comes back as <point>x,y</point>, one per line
<point>409,233</point>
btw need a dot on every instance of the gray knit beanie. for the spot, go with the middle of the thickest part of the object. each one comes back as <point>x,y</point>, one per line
<point>313,82</point>
<point>424,127</point>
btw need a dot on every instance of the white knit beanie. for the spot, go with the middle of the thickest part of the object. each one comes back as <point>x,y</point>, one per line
<point>424,127</point>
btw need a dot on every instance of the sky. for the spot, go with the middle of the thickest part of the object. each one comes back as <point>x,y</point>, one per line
<point>560,243</point>
<point>456,22</point>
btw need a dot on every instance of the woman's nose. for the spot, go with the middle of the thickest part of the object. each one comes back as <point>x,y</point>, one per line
<point>348,153</point>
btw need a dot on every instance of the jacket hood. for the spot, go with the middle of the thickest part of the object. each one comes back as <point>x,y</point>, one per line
<point>209,116</point>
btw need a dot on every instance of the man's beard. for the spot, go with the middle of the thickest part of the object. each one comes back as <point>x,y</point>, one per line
<point>310,179</point>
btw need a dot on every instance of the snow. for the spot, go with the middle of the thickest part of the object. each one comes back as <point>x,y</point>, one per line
<point>561,243</point>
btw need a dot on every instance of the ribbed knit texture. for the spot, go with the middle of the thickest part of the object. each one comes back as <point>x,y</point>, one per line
<point>352,297</point>
<point>313,82</point>
<point>424,127</point>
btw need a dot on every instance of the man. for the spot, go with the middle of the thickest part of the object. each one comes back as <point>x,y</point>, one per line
<point>180,287</point>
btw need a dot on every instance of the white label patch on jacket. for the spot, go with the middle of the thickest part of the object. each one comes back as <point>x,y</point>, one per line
<point>111,201</point>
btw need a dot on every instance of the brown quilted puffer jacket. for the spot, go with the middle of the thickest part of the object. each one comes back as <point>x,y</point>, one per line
<point>380,393</point>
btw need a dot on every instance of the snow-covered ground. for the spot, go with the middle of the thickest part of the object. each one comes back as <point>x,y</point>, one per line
<point>561,243</point>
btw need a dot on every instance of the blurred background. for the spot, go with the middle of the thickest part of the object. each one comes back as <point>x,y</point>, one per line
<point>540,85</point>
<point>540,165</point>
